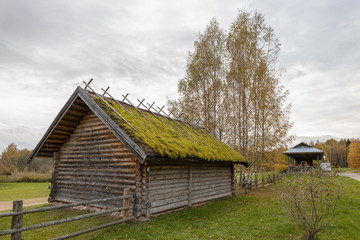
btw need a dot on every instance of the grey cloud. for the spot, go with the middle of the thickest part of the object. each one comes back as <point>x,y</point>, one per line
<point>47,48</point>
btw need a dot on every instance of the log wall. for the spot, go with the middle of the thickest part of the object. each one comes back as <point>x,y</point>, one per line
<point>174,184</point>
<point>93,164</point>
<point>210,181</point>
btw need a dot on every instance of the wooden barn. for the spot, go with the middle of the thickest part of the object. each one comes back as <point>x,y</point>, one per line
<point>101,146</point>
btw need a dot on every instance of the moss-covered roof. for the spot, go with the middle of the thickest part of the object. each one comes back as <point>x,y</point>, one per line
<point>167,137</point>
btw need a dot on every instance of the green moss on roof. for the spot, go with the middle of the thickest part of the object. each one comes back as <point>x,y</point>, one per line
<point>168,140</point>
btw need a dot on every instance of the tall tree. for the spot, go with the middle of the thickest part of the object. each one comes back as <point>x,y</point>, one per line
<point>354,154</point>
<point>233,84</point>
<point>255,96</point>
<point>8,160</point>
<point>202,88</point>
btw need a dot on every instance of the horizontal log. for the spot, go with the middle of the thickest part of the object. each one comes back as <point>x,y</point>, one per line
<point>114,171</point>
<point>166,182</point>
<point>75,189</point>
<point>168,195</point>
<point>98,164</point>
<point>89,194</point>
<point>115,156</point>
<point>168,201</point>
<point>57,141</point>
<point>208,171</point>
<point>60,132</point>
<point>91,133</point>
<point>68,123</point>
<point>212,186</point>
<point>167,190</point>
<point>97,184</point>
<point>210,192</point>
<point>73,118</point>
<point>64,127</point>
<point>76,113</point>
<point>79,108</point>
<point>170,167</point>
<point>167,177</point>
<point>206,179</point>
<point>169,207</point>
<point>208,198</point>
<point>98,179</point>
<point>99,173</point>
<point>164,186</point>
<point>108,143</point>
<point>167,172</point>
<point>58,136</point>
<point>44,154</point>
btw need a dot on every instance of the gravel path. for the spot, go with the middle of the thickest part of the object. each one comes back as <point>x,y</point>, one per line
<point>7,205</point>
<point>355,176</point>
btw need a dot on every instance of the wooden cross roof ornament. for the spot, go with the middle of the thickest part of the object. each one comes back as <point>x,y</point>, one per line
<point>145,133</point>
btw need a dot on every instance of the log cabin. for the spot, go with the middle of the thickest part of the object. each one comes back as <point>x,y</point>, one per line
<point>101,145</point>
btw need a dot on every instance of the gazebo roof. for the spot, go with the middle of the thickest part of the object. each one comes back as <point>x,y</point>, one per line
<point>303,149</point>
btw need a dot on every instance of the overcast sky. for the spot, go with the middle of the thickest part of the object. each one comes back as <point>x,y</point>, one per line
<point>47,48</point>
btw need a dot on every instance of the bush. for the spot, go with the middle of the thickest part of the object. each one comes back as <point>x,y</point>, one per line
<point>310,197</point>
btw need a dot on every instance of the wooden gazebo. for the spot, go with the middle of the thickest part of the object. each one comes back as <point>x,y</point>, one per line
<point>304,155</point>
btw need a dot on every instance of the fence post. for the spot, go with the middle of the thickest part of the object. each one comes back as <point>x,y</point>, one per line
<point>126,203</point>
<point>263,179</point>
<point>274,179</point>
<point>240,179</point>
<point>256,180</point>
<point>246,186</point>
<point>17,220</point>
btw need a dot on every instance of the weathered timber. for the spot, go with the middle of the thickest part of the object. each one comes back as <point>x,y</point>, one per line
<point>169,207</point>
<point>17,220</point>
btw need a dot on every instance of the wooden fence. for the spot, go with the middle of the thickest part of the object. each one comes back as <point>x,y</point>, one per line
<point>18,212</point>
<point>246,179</point>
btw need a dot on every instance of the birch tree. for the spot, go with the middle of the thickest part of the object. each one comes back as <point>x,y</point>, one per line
<point>201,90</point>
<point>232,84</point>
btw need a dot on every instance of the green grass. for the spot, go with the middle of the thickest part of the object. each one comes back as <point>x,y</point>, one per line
<point>57,230</point>
<point>161,138</point>
<point>20,191</point>
<point>341,170</point>
<point>258,215</point>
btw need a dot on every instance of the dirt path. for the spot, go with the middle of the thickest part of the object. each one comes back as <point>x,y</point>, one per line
<point>7,205</point>
<point>355,176</point>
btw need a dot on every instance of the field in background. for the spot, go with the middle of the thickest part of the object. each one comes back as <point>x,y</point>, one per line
<point>21,191</point>
<point>26,177</point>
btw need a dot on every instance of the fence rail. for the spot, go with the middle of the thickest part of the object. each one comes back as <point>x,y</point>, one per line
<point>17,216</point>
<point>246,179</point>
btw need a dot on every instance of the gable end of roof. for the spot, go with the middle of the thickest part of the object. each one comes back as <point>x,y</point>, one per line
<point>91,104</point>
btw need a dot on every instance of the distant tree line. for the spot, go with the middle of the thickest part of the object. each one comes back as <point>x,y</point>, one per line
<point>13,160</point>
<point>354,154</point>
<point>232,87</point>
<point>336,152</point>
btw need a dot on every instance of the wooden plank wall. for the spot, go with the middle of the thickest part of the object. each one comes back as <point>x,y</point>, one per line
<point>94,164</point>
<point>174,184</point>
<point>168,185</point>
<point>210,181</point>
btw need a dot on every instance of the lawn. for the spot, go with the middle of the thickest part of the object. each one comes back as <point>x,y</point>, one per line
<point>20,191</point>
<point>258,215</point>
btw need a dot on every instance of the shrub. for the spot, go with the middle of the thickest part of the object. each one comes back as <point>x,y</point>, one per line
<point>310,197</point>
